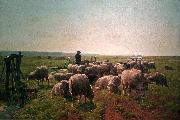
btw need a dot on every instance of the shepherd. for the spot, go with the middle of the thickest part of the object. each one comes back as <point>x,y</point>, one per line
<point>78,57</point>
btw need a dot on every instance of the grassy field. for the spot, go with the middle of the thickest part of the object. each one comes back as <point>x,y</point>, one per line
<point>159,102</point>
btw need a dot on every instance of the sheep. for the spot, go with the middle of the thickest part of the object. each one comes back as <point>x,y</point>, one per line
<point>143,66</point>
<point>94,70</point>
<point>113,84</point>
<point>76,68</point>
<point>109,82</point>
<point>158,78</point>
<point>72,68</point>
<point>92,74</point>
<point>60,89</point>
<point>132,63</point>
<point>119,68</point>
<point>102,82</point>
<point>60,76</point>
<point>40,74</point>
<point>143,62</point>
<point>98,62</point>
<point>79,85</point>
<point>105,69</point>
<point>108,68</point>
<point>168,68</point>
<point>81,68</point>
<point>133,79</point>
<point>51,76</point>
<point>151,65</point>
<point>62,71</point>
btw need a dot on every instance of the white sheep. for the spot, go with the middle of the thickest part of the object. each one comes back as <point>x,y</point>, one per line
<point>109,82</point>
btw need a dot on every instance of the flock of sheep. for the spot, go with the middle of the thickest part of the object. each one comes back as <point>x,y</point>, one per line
<point>77,80</point>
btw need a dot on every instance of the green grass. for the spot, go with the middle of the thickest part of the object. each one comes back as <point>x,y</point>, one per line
<point>45,108</point>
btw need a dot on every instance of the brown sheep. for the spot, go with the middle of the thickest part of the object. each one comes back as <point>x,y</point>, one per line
<point>62,76</point>
<point>109,82</point>
<point>72,68</point>
<point>79,85</point>
<point>119,68</point>
<point>60,89</point>
<point>133,79</point>
<point>76,68</point>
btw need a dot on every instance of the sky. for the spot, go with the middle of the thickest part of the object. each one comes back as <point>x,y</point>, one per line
<point>109,27</point>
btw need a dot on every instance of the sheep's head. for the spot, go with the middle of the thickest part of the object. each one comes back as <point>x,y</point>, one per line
<point>112,88</point>
<point>64,87</point>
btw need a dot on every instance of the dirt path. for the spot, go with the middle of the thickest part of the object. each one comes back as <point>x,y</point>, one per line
<point>128,109</point>
<point>111,114</point>
<point>118,108</point>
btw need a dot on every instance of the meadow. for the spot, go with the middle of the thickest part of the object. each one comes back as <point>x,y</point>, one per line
<point>160,103</point>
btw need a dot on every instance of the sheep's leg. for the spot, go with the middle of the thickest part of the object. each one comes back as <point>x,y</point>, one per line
<point>137,92</point>
<point>48,81</point>
<point>42,81</point>
<point>38,82</point>
<point>51,95</point>
<point>143,94</point>
<point>166,85</point>
<point>73,99</point>
<point>129,91</point>
<point>123,91</point>
<point>79,98</point>
<point>85,98</point>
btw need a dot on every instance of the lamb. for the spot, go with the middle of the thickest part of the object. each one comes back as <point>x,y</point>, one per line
<point>158,78</point>
<point>60,89</point>
<point>109,82</point>
<point>133,79</point>
<point>79,85</point>
<point>40,74</point>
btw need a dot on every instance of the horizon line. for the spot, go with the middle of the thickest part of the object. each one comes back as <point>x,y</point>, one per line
<point>85,53</point>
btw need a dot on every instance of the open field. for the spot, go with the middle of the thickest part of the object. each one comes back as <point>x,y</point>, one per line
<point>160,103</point>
